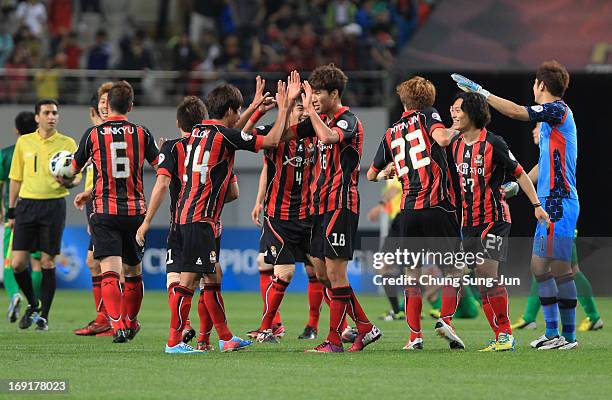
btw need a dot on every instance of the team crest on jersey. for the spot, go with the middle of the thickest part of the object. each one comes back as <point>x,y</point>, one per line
<point>479,160</point>
<point>342,124</point>
<point>213,257</point>
<point>246,136</point>
<point>537,108</point>
<point>273,250</point>
<point>161,158</point>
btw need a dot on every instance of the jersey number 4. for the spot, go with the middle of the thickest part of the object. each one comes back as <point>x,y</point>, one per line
<point>400,154</point>
<point>198,167</point>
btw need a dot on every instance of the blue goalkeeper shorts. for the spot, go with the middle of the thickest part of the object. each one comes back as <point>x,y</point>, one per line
<point>557,242</point>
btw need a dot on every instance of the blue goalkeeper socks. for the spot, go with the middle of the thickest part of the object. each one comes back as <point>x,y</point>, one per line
<point>547,290</point>
<point>567,306</point>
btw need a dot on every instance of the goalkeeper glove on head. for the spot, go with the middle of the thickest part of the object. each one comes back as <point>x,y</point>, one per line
<point>468,85</point>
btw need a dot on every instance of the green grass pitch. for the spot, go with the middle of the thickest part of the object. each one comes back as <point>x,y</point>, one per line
<point>97,368</point>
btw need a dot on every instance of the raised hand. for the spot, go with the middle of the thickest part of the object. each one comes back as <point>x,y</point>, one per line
<point>281,95</point>
<point>294,86</point>
<point>307,95</point>
<point>468,85</point>
<point>260,97</point>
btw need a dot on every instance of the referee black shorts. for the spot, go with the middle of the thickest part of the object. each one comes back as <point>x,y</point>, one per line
<point>39,225</point>
<point>88,214</point>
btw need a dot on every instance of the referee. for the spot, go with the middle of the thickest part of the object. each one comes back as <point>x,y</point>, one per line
<point>39,216</point>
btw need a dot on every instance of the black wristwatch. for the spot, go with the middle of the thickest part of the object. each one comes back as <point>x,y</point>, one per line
<point>10,213</point>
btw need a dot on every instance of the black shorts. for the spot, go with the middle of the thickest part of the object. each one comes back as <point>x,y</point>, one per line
<point>88,213</point>
<point>174,250</point>
<point>39,225</point>
<point>286,241</point>
<point>390,243</point>
<point>115,235</point>
<point>490,239</point>
<point>334,234</point>
<point>431,229</point>
<point>199,250</point>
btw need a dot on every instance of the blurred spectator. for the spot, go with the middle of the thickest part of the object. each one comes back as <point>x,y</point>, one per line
<point>283,17</point>
<point>405,14</point>
<point>381,45</point>
<point>205,15</point>
<point>184,55</point>
<point>248,17</point>
<point>210,50</point>
<point>6,43</point>
<point>15,74</point>
<point>99,54</point>
<point>46,82</point>
<point>135,53</point>
<point>231,58</point>
<point>60,17</point>
<point>71,49</point>
<point>91,6</point>
<point>33,14</point>
<point>340,13</point>
<point>31,44</point>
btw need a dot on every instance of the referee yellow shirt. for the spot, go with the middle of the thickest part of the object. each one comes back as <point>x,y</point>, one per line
<point>89,177</point>
<point>31,165</point>
<point>393,207</point>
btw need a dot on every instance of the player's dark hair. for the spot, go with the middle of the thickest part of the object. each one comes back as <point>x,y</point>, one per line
<point>476,107</point>
<point>221,99</point>
<point>190,112</point>
<point>120,97</point>
<point>43,102</point>
<point>328,77</point>
<point>555,77</point>
<point>93,103</point>
<point>417,93</point>
<point>25,122</point>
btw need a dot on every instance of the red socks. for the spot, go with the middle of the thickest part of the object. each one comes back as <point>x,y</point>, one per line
<point>180,304</point>
<point>216,309</point>
<point>327,296</point>
<point>315,297</point>
<point>498,300</point>
<point>450,301</point>
<point>340,304</point>
<point>101,317</point>
<point>132,297</point>
<point>112,297</point>
<point>265,280</point>
<point>206,323</point>
<point>486,307</point>
<point>274,297</point>
<point>413,304</point>
<point>358,315</point>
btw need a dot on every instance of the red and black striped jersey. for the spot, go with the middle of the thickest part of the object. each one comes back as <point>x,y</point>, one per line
<point>482,167</point>
<point>336,175</point>
<point>118,149</point>
<point>208,161</point>
<point>419,160</point>
<point>172,165</point>
<point>290,174</point>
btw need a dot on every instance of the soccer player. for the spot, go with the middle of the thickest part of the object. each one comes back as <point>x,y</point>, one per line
<point>552,248</point>
<point>286,221</point>
<point>24,123</point>
<point>593,321</point>
<point>414,149</point>
<point>118,149</point>
<point>207,155</point>
<point>38,218</point>
<point>100,326</point>
<point>482,160</point>
<point>338,135</point>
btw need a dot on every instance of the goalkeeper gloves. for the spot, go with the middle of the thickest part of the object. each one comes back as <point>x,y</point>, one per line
<point>468,85</point>
<point>510,189</point>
